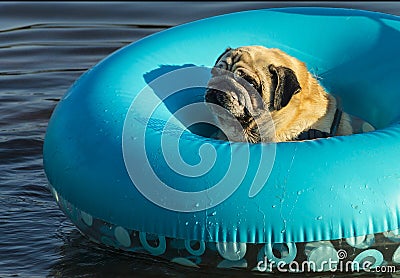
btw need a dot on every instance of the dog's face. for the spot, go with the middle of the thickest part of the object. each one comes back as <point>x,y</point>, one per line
<point>247,81</point>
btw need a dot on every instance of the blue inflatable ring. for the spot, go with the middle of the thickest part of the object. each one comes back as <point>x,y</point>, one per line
<point>128,159</point>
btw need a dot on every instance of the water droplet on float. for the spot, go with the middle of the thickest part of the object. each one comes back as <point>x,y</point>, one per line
<point>187,223</point>
<point>319,218</point>
<point>197,205</point>
<point>360,211</point>
<point>273,206</point>
<point>299,192</point>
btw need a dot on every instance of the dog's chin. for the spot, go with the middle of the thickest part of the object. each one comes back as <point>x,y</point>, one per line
<point>237,123</point>
<point>230,115</point>
<point>231,128</point>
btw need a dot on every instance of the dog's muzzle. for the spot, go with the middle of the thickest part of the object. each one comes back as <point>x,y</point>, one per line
<point>215,96</point>
<point>237,96</point>
<point>229,103</point>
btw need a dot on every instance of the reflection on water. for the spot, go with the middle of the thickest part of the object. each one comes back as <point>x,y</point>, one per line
<point>44,48</point>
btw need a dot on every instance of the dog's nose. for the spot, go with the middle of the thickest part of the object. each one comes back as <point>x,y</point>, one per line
<point>212,96</point>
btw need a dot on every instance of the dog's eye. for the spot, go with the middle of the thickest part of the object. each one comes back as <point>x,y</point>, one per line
<point>251,81</point>
<point>246,77</point>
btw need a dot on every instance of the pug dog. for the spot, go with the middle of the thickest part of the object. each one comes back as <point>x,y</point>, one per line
<point>260,94</point>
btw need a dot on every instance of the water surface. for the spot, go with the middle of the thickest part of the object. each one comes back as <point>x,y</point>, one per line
<point>44,47</point>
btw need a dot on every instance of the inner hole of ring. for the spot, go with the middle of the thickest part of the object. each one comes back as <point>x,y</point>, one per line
<point>280,250</point>
<point>153,240</point>
<point>370,259</point>
<point>195,244</point>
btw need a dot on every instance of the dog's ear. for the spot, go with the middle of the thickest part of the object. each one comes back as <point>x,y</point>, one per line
<point>284,85</point>
<point>220,56</point>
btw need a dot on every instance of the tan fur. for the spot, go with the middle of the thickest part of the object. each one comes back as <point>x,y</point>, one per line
<point>311,108</point>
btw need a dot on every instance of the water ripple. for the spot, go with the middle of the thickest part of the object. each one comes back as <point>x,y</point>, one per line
<point>44,48</point>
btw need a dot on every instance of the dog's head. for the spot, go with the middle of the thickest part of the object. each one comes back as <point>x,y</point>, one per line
<point>247,81</point>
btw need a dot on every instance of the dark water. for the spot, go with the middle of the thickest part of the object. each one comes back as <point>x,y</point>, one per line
<point>44,47</point>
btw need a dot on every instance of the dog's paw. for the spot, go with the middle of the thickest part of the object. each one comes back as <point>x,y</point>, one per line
<point>366,127</point>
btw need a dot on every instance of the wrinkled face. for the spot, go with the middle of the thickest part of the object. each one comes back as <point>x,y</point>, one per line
<point>248,81</point>
<point>235,86</point>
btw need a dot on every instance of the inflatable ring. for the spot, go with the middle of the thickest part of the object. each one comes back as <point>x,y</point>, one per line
<point>129,160</point>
